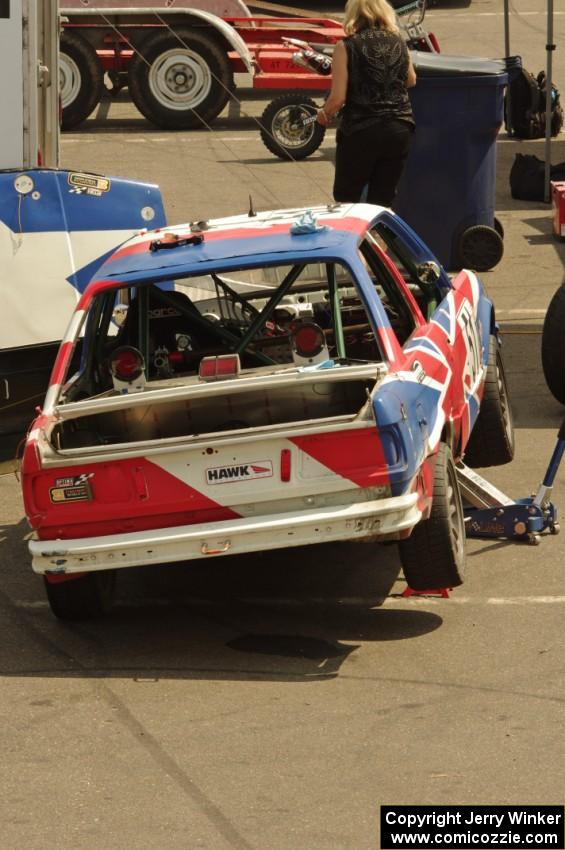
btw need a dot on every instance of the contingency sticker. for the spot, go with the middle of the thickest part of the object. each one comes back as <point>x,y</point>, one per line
<point>72,489</point>
<point>88,184</point>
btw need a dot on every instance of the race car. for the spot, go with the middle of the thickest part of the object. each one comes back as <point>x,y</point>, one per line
<point>264,381</point>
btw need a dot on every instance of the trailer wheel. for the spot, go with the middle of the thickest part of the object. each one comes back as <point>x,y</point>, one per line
<point>81,79</point>
<point>180,80</point>
<point>434,555</point>
<point>283,131</point>
<point>492,439</point>
<point>553,345</point>
<point>480,248</point>
<point>81,598</point>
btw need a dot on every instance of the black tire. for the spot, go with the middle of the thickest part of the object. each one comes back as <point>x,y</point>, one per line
<point>283,131</point>
<point>433,556</point>
<point>499,227</point>
<point>81,79</point>
<point>553,345</point>
<point>492,439</point>
<point>82,598</point>
<point>181,80</point>
<point>480,248</point>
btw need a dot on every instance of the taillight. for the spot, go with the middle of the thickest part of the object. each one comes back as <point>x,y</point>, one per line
<point>126,364</point>
<point>434,42</point>
<point>286,459</point>
<point>307,339</point>
<point>220,367</point>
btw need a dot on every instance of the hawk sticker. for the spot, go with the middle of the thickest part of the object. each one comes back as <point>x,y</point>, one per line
<point>239,472</point>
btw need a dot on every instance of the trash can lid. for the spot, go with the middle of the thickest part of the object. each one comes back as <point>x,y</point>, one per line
<point>441,65</point>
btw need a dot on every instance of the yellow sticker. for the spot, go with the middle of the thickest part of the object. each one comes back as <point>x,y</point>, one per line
<point>89,181</point>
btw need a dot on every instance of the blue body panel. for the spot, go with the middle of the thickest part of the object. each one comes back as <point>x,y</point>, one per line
<point>62,206</point>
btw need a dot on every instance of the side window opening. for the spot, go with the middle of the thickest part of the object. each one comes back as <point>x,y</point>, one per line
<point>426,294</point>
<point>396,307</point>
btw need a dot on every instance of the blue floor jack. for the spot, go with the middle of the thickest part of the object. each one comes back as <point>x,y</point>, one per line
<point>490,513</point>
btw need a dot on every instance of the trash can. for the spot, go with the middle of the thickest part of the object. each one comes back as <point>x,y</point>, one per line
<point>447,191</point>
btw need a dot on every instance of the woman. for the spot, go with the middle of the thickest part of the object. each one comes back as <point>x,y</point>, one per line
<point>371,74</point>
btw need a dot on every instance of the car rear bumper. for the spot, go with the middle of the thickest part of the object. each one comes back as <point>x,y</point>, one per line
<point>230,537</point>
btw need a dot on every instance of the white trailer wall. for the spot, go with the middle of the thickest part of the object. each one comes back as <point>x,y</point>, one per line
<point>29,99</point>
<point>11,85</point>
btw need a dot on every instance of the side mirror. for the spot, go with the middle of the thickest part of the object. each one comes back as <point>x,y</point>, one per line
<point>428,272</point>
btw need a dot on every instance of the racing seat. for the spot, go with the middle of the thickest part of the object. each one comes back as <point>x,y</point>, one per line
<point>170,328</point>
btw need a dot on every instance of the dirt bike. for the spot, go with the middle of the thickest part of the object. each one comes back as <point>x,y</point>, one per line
<point>289,128</point>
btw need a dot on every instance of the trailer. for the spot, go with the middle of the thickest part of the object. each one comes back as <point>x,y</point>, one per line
<point>179,58</point>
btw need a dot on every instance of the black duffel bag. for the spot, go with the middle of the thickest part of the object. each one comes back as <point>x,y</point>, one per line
<point>527,177</point>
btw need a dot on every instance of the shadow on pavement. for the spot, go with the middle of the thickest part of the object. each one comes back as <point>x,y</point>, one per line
<point>532,403</point>
<point>291,615</point>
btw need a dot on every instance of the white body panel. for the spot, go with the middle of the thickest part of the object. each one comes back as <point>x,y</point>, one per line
<point>34,268</point>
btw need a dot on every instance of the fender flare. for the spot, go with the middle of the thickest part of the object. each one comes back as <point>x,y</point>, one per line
<point>230,34</point>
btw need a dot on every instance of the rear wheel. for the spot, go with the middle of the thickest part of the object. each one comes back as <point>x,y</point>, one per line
<point>82,598</point>
<point>283,128</point>
<point>553,345</point>
<point>492,439</point>
<point>180,80</point>
<point>434,554</point>
<point>81,79</point>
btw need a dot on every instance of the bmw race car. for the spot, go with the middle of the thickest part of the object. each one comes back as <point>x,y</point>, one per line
<point>260,382</point>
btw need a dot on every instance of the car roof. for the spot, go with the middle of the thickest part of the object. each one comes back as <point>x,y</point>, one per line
<point>267,237</point>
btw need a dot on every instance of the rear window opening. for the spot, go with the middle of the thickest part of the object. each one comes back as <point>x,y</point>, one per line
<point>282,320</point>
<point>253,312</point>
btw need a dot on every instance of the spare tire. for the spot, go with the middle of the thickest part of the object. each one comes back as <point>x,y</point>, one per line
<point>553,345</point>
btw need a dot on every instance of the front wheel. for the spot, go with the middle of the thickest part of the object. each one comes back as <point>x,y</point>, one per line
<point>82,598</point>
<point>553,345</point>
<point>180,80</point>
<point>288,129</point>
<point>492,439</point>
<point>433,556</point>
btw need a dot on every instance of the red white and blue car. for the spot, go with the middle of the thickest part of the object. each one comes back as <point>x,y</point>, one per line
<point>260,382</point>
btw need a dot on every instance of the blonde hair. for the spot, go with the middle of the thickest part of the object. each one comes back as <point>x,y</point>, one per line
<point>369,13</point>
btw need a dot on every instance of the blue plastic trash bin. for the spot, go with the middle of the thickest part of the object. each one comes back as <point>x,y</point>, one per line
<point>447,191</point>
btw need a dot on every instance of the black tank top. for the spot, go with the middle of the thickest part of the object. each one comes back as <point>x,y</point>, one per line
<point>377,70</point>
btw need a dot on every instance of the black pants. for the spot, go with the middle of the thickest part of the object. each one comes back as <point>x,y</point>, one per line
<point>372,157</point>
